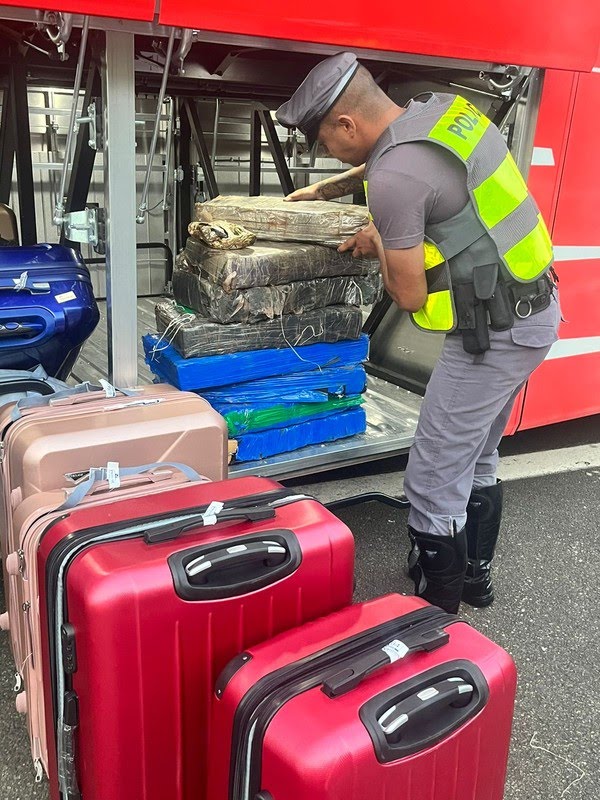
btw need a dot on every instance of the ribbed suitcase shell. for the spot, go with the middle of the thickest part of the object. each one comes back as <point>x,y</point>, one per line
<point>147,659</point>
<point>50,443</point>
<point>318,748</point>
<point>31,520</point>
<point>47,307</point>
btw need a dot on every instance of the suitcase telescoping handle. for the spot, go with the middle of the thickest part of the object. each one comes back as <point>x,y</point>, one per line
<point>350,676</point>
<point>112,474</point>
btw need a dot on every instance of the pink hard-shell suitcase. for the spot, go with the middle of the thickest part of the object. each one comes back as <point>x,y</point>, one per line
<point>83,397</point>
<point>30,521</point>
<point>140,611</point>
<point>392,699</point>
<point>52,442</point>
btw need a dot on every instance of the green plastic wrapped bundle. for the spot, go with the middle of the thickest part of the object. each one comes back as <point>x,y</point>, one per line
<point>247,419</point>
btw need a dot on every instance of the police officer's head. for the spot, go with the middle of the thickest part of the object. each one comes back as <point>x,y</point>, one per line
<point>340,105</point>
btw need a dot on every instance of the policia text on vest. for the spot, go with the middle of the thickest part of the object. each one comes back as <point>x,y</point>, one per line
<point>466,121</point>
<point>490,262</point>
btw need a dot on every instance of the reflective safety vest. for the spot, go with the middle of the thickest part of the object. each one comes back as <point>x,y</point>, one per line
<point>502,211</point>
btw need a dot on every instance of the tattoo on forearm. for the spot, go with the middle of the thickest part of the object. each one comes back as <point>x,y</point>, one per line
<point>341,187</point>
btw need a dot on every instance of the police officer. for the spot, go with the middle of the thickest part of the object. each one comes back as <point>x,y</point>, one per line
<point>464,250</point>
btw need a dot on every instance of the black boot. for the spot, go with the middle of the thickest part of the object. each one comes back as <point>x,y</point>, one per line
<point>437,565</point>
<point>484,513</point>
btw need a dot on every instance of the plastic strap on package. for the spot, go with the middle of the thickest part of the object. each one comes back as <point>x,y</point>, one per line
<point>303,387</point>
<point>249,418</point>
<point>268,302</point>
<point>193,335</point>
<point>190,374</point>
<point>255,446</point>
<point>324,221</point>
<point>271,264</point>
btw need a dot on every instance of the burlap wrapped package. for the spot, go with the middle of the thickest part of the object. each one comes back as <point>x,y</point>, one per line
<point>271,263</point>
<point>273,219</point>
<point>193,335</point>
<point>261,303</point>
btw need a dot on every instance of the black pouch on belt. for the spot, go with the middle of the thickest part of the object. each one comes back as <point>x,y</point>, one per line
<point>495,295</point>
<point>472,319</point>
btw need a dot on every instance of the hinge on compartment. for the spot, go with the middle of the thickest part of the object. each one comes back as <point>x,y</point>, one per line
<point>88,227</point>
<point>94,123</point>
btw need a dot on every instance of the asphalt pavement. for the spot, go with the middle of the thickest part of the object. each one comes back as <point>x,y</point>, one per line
<point>546,615</point>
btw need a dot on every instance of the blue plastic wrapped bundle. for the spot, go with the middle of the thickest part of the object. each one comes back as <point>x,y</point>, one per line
<point>304,387</point>
<point>254,446</point>
<point>193,374</point>
<point>244,418</point>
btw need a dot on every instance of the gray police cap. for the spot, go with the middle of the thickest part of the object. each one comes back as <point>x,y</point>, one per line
<point>317,94</point>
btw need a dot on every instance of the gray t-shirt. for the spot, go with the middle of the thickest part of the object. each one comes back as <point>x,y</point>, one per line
<point>413,184</point>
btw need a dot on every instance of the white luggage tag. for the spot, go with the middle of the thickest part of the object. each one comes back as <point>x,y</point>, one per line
<point>21,282</point>
<point>109,389</point>
<point>113,475</point>
<point>212,512</point>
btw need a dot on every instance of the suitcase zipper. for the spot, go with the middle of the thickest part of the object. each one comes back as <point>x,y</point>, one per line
<point>57,565</point>
<point>39,770</point>
<point>258,706</point>
<point>26,611</point>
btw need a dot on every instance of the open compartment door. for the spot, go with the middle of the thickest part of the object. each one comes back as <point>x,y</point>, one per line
<point>538,33</point>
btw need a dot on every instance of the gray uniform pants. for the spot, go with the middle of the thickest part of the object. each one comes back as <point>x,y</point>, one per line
<point>464,412</point>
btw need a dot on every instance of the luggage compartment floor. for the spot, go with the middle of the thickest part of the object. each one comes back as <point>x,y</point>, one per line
<point>92,363</point>
<point>392,412</point>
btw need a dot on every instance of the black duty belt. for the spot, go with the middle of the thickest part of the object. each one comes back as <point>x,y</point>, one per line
<point>529,298</point>
<point>496,309</point>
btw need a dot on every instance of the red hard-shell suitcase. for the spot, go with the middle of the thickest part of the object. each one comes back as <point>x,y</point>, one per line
<point>391,699</point>
<point>145,605</point>
<point>31,520</point>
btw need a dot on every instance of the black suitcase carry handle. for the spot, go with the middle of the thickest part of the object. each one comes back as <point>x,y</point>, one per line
<point>419,712</point>
<point>454,692</point>
<point>352,675</point>
<point>169,532</point>
<point>252,508</point>
<point>271,554</point>
<point>235,567</point>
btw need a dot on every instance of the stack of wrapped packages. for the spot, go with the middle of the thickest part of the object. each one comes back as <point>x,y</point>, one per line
<point>266,321</point>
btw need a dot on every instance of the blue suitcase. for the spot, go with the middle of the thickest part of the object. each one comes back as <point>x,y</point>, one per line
<point>47,308</point>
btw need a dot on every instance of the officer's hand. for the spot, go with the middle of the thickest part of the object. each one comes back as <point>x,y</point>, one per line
<point>312,192</point>
<point>364,244</point>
